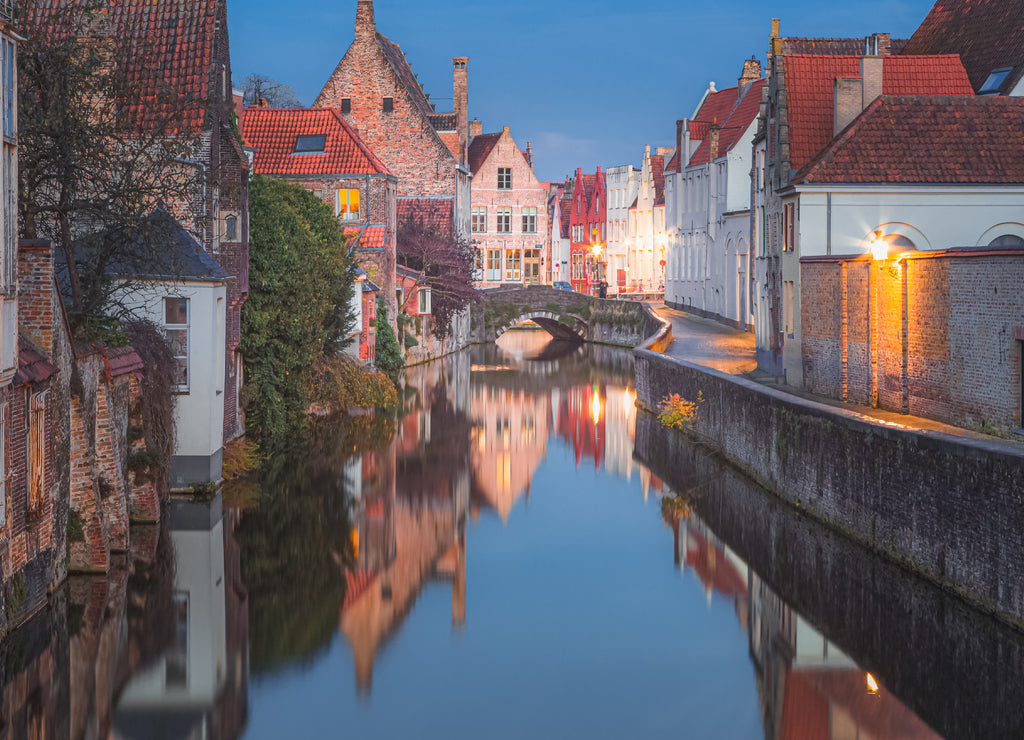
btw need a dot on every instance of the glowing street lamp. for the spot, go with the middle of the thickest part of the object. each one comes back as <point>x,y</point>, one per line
<point>879,246</point>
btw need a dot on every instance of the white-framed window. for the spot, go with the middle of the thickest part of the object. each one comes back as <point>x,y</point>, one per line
<point>9,102</point>
<point>504,178</point>
<point>36,451</point>
<point>530,220</point>
<point>423,300</point>
<point>504,221</point>
<point>494,265</point>
<point>346,204</point>
<point>479,219</point>
<point>176,329</point>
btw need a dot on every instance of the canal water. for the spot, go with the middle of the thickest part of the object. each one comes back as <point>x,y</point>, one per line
<point>517,555</point>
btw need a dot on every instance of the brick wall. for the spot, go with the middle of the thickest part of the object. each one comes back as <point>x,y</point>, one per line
<point>946,507</point>
<point>935,334</point>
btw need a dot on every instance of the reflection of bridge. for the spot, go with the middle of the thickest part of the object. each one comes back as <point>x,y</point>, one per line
<point>562,313</point>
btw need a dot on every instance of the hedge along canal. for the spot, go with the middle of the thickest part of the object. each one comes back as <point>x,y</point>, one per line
<point>948,508</point>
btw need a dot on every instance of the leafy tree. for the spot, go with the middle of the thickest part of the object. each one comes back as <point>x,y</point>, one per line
<point>94,159</point>
<point>276,94</point>
<point>446,267</point>
<point>301,280</point>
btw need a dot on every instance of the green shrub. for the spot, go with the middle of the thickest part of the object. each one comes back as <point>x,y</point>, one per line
<point>388,356</point>
<point>679,413</point>
<point>341,384</point>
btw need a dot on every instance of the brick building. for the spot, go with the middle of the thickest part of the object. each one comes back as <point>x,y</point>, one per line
<point>317,149</point>
<point>587,225</point>
<point>377,93</point>
<point>814,88</point>
<point>931,320</point>
<point>510,219</point>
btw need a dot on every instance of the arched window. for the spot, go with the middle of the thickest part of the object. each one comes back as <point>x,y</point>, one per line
<point>231,227</point>
<point>1007,240</point>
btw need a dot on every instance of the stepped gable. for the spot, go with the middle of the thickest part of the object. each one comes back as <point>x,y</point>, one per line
<point>734,125</point>
<point>480,148</point>
<point>955,140</point>
<point>810,86</point>
<point>986,34</point>
<point>273,133</point>
<point>172,45</point>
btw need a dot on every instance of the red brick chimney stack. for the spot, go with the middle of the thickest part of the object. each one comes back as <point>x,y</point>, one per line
<point>751,73</point>
<point>713,142</point>
<point>679,145</point>
<point>366,27</point>
<point>460,92</point>
<point>476,127</point>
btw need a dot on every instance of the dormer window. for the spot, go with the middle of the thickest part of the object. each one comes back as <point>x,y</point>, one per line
<point>995,81</point>
<point>310,144</point>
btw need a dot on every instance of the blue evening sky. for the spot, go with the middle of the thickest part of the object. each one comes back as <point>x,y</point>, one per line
<point>588,82</point>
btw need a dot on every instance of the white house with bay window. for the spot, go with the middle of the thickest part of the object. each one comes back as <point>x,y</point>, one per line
<point>174,283</point>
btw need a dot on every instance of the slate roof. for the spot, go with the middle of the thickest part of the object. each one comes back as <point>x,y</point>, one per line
<point>171,44</point>
<point>734,125</point>
<point>438,213</point>
<point>935,140</point>
<point>443,121</point>
<point>163,250</point>
<point>33,367</point>
<point>987,34</point>
<point>833,46</point>
<point>479,149</point>
<point>272,133</point>
<point>396,58</point>
<point>810,86</point>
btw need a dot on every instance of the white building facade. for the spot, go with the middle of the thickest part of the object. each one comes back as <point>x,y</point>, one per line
<point>623,189</point>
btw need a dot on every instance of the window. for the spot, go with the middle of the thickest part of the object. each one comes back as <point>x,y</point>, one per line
<point>512,265</point>
<point>504,221</point>
<point>480,219</point>
<point>346,105</point>
<point>36,452</point>
<point>995,81</point>
<point>494,265</point>
<point>176,316</point>
<point>423,300</point>
<point>530,220</point>
<point>10,112</point>
<point>310,144</point>
<point>231,227</point>
<point>389,105</point>
<point>347,204</point>
<point>504,178</point>
<point>1007,240</point>
<point>9,204</point>
<point>3,464</point>
<point>789,227</point>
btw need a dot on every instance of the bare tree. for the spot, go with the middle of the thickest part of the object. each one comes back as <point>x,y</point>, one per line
<point>276,94</point>
<point>94,158</point>
<point>444,264</point>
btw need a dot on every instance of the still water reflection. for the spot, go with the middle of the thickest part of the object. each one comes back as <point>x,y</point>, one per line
<point>496,563</point>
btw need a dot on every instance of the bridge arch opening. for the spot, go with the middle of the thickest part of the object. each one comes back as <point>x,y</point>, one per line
<point>564,326</point>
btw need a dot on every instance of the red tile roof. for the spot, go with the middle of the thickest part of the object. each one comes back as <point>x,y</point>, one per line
<point>927,140</point>
<point>479,149</point>
<point>564,215</point>
<point>715,109</point>
<point>810,85</point>
<point>438,213</point>
<point>272,132</point>
<point>171,46</point>
<point>122,360</point>
<point>733,127</point>
<point>658,175</point>
<point>33,367</point>
<point>367,237</point>
<point>987,34</point>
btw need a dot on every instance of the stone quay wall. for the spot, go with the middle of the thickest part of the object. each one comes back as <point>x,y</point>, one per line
<point>947,507</point>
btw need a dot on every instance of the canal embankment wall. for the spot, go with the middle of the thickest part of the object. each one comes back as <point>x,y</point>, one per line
<point>949,508</point>
<point>955,667</point>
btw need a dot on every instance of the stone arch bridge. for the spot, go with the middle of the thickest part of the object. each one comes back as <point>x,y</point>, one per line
<point>562,313</point>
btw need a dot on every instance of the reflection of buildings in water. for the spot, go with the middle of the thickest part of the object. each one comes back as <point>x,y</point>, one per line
<point>619,410</point>
<point>509,440</point>
<point>33,676</point>
<point>717,567</point>
<point>581,422</point>
<point>198,686</point>
<point>410,511</point>
<point>809,688</point>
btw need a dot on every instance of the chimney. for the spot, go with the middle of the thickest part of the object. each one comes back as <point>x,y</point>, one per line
<point>883,44</point>
<point>476,127</point>
<point>871,76</point>
<point>775,41</point>
<point>36,292</point>
<point>751,73</point>
<point>529,154</point>
<point>713,142</point>
<point>847,103</point>
<point>238,99</point>
<point>504,129</point>
<point>366,28</point>
<point>460,92</point>
<point>679,145</point>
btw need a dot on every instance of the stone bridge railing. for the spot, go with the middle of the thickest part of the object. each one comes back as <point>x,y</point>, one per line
<point>563,314</point>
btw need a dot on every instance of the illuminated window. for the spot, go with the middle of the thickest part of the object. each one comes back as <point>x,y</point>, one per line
<point>504,178</point>
<point>512,265</point>
<point>347,204</point>
<point>480,219</point>
<point>176,317</point>
<point>36,452</point>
